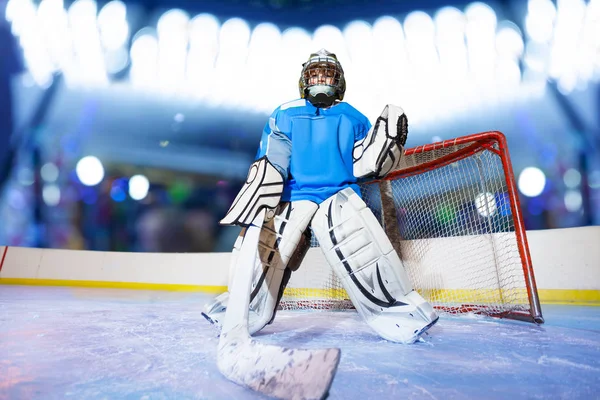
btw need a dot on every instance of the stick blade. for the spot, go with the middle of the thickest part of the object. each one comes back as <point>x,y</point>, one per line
<point>277,371</point>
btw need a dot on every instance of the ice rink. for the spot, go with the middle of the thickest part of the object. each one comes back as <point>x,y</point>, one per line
<point>87,343</point>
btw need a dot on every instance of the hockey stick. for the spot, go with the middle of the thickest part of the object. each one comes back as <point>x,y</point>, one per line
<point>272,370</point>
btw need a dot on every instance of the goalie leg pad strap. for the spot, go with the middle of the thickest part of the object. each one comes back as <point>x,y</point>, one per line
<point>360,253</point>
<point>278,246</point>
<point>283,243</point>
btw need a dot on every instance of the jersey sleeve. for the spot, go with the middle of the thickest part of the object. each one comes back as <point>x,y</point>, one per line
<point>276,142</point>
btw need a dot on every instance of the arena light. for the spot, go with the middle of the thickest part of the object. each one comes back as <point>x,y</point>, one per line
<point>481,41</point>
<point>49,172</point>
<point>565,45</point>
<point>509,41</point>
<point>51,195</point>
<point>330,37</point>
<point>358,36</point>
<point>25,25</point>
<point>113,25</point>
<point>172,29</point>
<point>425,67</point>
<point>387,30</point>
<point>420,38</point>
<point>138,187</point>
<point>234,37</point>
<point>54,24</point>
<point>485,203</point>
<point>539,22</point>
<point>20,13</point>
<point>450,25</point>
<point>258,86</point>
<point>296,45</point>
<point>508,77</point>
<point>89,171</point>
<point>572,178</point>
<point>573,200</point>
<point>86,43</point>
<point>449,20</point>
<point>144,58</point>
<point>481,15</point>
<point>594,179</point>
<point>116,60</point>
<point>531,181</point>
<point>203,49</point>
<point>36,56</point>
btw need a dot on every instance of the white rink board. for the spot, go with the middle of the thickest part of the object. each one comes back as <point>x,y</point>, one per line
<point>562,259</point>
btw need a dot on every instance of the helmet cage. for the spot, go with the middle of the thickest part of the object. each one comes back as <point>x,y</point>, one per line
<point>322,73</point>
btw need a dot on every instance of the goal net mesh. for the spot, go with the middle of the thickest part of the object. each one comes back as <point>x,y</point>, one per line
<point>447,211</point>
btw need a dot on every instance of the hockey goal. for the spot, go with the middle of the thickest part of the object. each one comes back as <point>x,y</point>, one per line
<point>452,213</point>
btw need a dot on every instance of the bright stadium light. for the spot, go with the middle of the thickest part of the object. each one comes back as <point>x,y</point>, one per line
<point>258,86</point>
<point>486,204</point>
<point>86,42</point>
<point>481,15</point>
<point>450,25</point>
<point>425,66</point>
<point>173,33</point>
<point>509,42</point>
<point>138,187</point>
<point>508,75</point>
<point>144,58</point>
<point>204,27</point>
<point>113,25</point>
<point>481,41</point>
<point>572,178</point>
<point>330,37</point>
<point>565,44</point>
<point>25,24</point>
<point>203,49</point>
<point>358,37</point>
<point>420,41</point>
<point>296,45</point>
<point>532,181</point>
<point>449,20</point>
<point>89,171</point>
<point>385,80</point>
<point>51,195</point>
<point>173,23</point>
<point>20,13</point>
<point>539,22</point>
<point>234,37</point>
<point>573,200</point>
<point>49,172</point>
<point>54,22</point>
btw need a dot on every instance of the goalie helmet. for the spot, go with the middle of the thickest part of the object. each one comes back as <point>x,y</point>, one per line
<point>322,79</point>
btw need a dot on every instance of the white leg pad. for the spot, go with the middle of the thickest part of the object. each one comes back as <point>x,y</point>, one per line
<point>278,241</point>
<point>360,253</point>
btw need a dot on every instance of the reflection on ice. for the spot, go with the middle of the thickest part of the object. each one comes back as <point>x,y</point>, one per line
<point>60,343</point>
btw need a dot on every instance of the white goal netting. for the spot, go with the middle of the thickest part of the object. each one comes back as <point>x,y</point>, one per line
<point>451,211</point>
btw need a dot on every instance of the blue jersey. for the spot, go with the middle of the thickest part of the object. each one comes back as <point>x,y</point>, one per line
<point>312,147</point>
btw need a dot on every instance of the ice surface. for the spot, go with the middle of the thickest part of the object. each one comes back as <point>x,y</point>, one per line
<point>79,343</point>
